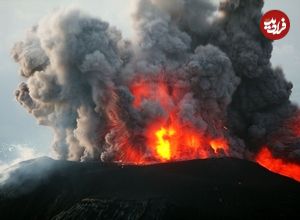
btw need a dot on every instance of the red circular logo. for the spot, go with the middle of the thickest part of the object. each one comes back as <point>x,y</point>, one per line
<point>275,24</point>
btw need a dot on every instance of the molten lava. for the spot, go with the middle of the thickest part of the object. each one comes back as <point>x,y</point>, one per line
<point>171,141</point>
<point>168,136</point>
<point>219,145</point>
<point>163,147</point>
<point>266,159</point>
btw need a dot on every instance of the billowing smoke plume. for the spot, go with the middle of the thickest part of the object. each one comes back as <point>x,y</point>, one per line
<point>82,77</point>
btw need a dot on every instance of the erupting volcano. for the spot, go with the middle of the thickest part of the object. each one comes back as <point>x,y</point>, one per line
<point>194,82</point>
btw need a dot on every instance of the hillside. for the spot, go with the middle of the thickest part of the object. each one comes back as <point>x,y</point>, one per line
<point>48,189</point>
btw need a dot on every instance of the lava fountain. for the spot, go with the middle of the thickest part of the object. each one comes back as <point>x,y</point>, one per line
<point>167,136</point>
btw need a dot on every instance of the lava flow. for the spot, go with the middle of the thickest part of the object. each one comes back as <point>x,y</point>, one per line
<point>266,159</point>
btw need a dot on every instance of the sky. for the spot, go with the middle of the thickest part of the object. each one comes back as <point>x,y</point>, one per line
<point>20,135</point>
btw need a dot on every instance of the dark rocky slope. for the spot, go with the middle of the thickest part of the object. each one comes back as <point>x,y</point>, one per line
<point>216,188</point>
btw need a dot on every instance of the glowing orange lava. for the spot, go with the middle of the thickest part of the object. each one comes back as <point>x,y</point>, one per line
<point>163,147</point>
<point>266,159</point>
<point>168,137</point>
<point>219,145</point>
<point>171,141</point>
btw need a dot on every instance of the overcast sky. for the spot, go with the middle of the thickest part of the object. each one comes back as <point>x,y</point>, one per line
<point>18,128</point>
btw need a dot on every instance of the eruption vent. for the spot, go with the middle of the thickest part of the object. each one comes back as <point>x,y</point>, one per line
<point>172,134</point>
<point>196,82</point>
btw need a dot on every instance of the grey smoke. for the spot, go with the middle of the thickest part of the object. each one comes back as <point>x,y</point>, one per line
<point>78,71</point>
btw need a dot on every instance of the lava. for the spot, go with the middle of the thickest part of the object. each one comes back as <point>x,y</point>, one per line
<point>168,136</point>
<point>163,142</point>
<point>277,165</point>
<point>219,145</point>
<point>171,141</point>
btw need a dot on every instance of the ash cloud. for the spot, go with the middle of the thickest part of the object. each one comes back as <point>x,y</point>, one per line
<point>78,71</point>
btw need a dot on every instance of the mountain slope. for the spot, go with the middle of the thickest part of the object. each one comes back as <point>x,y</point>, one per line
<point>47,189</point>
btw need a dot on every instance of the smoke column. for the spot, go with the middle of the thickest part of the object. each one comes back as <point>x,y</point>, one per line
<point>210,66</point>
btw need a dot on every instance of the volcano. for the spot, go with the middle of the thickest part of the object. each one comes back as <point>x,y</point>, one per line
<point>194,81</point>
<point>157,113</point>
<point>44,188</point>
